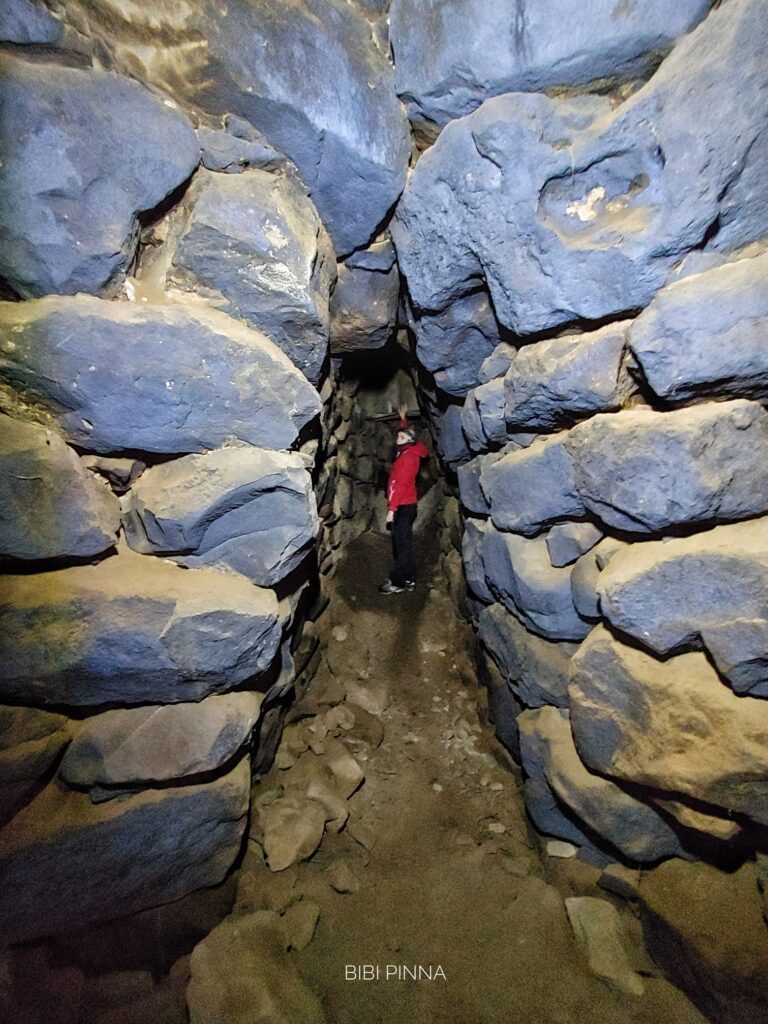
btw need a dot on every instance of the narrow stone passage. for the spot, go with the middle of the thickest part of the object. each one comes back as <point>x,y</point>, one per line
<point>437,872</point>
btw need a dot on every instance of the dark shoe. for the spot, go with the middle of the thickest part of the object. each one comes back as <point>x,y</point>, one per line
<point>388,587</point>
<point>410,584</point>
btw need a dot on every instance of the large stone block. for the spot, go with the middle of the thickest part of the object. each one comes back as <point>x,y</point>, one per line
<point>455,343</point>
<point>603,807</point>
<point>473,555</point>
<point>566,542</point>
<point>306,73</point>
<point>22,21</point>
<point>363,309</point>
<point>247,508</point>
<point>709,590</point>
<point>572,210</point>
<point>119,376</point>
<point>132,630</point>
<point>31,741</point>
<point>71,186</point>
<point>529,489</point>
<point>450,55</point>
<point>489,399</point>
<point>520,575</point>
<point>646,471</point>
<point>50,505</point>
<point>705,335</point>
<point>134,746</point>
<point>71,863</point>
<point>254,245</point>
<point>452,444</point>
<point>537,669</point>
<point>671,725</point>
<point>552,383</point>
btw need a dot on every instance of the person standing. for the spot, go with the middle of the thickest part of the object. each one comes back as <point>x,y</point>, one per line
<point>402,499</point>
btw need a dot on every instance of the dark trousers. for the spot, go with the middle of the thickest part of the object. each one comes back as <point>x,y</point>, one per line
<point>403,546</point>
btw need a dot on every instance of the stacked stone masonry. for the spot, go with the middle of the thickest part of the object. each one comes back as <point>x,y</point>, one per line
<point>188,250</point>
<point>610,455</point>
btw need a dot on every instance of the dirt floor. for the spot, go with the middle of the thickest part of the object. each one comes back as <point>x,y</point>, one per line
<point>445,871</point>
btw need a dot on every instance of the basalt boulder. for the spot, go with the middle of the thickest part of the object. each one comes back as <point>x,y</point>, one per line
<point>450,56</point>
<point>72,863</point>
<point>130,747</point>
<point>619,819</point>
<point>305,73</point>
<point>51,506</point>
<point>453,344</point>
<point>248,508</point>
<point>572,210</point>
<point>132,630</point>
<point>519,573</point>
<point>553,383</point>
<point>537,669</point>
<point>529,489</point>
<point>254,246</point>
<point>646,471</point>
<point>671,725</point>
<point>363,308</point>
<point>122,376</point>
<point>704,336</point>
<point>708,590</point>
<point>85,152</point>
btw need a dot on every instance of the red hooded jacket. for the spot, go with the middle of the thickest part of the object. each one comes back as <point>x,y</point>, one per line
<point>401,486</point>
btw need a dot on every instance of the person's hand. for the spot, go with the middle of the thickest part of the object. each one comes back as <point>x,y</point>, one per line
<point>390,516</point>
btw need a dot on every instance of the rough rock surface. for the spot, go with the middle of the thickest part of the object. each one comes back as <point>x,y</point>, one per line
<point>706,927</point>
<point>198,379</point>
<point>241,973</point>
<point>133,630</point>
<point>293,827</point>
<point>497,363</point>
<point>719,580</point>
<point>129,746</point>
<point>248,508</point>
<point>625,823</point>
<point>30,743</point>
<point>72,863</point>
<point>573,211</point>
<point>489,401</point>
<point>671,725</point>
<point>552,383</point>
<point>473,555</point>
<point>254,244</point>
<point>645,471</point>
<point>71,187</point>
<point>521,576</point>
<point>705,335</point>
<point>530,489</point>
<point>50,505</point>
<point>566,542</point>
<point>598,929</point>
<point>536,669</point>
<point>450,56</point>
<point>452,444</point>
<point>454,344</point>
<point>305,73</point>
<point>22,21</point>
<point>363,308</point>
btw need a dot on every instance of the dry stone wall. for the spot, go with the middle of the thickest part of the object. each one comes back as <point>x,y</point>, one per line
<point>172,208</point>
<point>610,452</point>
